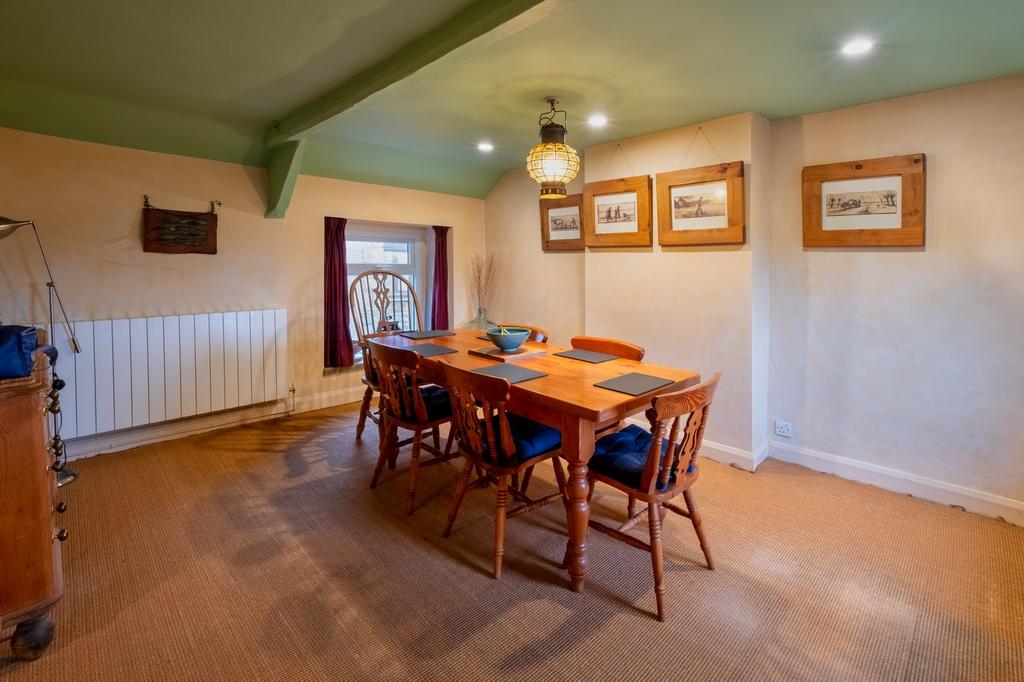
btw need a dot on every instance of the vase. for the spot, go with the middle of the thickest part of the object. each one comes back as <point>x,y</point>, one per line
<point>481,321</point>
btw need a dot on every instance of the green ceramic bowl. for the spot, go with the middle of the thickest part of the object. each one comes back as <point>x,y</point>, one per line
<point>508,339</point>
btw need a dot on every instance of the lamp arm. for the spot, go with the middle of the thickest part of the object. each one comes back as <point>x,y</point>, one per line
<point>72,339</point>
<point>11,229</point>
<point>8,230</point>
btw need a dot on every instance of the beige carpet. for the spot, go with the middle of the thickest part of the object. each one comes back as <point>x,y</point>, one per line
<point>259,553</point>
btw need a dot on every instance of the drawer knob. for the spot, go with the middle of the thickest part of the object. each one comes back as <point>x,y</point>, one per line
<point>61,507</point>
<point>62,534</point>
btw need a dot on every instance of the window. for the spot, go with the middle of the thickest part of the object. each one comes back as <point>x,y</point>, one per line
<point>399,249</point>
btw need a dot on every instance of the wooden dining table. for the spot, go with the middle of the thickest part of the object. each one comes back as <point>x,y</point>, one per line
<point>565,399</point>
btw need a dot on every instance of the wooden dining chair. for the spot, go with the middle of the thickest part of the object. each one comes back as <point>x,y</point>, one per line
<point>412,406</point>
<point>655,467</point>
<point>501,445</point>
<point>623,349</point>
<point>381,302</point>
<point>537,335</point>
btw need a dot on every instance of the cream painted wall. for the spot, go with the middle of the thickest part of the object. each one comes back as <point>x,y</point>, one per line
<point>900,363</point>
<point>689,307</point>
<point>910,359</point>
<point>758,209</point>
<point>87,199</point>
<point>546,289</point>
<point>897,367</point>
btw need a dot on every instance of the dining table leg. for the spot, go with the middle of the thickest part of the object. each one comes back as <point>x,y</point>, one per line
<point>577,447</point>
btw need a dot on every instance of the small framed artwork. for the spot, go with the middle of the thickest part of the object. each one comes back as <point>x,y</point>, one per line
<point>561,225</point>
<point>701,206</point>
<point>618,212</point>
<point>167,231</point>
<point>876,202</point>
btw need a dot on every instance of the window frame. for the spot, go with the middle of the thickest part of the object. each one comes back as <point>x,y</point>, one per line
<point>418,270</point>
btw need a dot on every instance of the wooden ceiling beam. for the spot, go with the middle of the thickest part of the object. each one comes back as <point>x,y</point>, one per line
<point>480,18</point>
<point>282,172</point>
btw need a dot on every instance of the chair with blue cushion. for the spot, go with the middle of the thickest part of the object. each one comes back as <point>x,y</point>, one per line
<point>408,404</point>
<point>622,349</point>
<point>500,444</point>
<point>656,466</point>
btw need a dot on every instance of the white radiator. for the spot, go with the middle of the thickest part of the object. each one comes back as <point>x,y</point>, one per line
<point>138,371</point>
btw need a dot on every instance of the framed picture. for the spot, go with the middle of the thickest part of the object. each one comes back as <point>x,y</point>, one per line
<point>877,202</point>
<point>618,212</point>
<point>561,225</point>
<point>166,231</point>
<point>701,206</point>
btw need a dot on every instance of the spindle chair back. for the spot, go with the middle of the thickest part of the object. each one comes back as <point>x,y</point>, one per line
<point>404,405</point>
<point>380,302</point>
<point>678,421</point>
<point>499,444</point>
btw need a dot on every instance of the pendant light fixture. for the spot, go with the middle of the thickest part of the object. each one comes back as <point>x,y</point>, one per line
<point>552,164</point>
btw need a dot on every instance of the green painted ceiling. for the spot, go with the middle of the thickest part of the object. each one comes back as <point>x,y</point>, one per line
<point>196,77</point>
<point>206,78</point>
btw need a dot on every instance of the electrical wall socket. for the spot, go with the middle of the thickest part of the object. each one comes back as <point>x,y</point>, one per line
<point>784,429</point>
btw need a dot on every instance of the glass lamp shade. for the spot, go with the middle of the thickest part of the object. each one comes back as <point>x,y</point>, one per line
<point>552,165</point>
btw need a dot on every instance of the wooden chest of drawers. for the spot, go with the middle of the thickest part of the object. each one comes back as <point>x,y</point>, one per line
<point>31,576</point>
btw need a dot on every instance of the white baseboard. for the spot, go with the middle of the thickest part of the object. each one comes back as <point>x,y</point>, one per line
<point>115,441</point>
<point>318,401</point>
<point>760,454</point>
<point>888,478</point>
<point>899,481</point>
<point>719,452</point>
<point>727,454</point>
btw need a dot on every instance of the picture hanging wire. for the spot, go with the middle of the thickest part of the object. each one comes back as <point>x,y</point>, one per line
<point>618,150</point>
<point>699,131</point>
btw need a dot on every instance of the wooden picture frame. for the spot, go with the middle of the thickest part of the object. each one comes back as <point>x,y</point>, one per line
<point>684,222</point>
<point>631,225</point>
<point>554,210</point>
<point>874,202</point>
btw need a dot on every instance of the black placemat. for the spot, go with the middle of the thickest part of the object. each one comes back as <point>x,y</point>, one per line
<point>634,383</point>
<point>512,373</point>
<point>590,356</point>
<point>430,349</point>
<point>429,334</point>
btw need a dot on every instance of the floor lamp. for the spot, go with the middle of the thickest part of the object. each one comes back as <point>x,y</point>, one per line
<point>7,228</point>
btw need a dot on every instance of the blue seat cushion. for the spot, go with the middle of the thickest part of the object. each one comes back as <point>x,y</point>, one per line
<point>531,438</point>
<point>623,455</point>
<point>435,399</point>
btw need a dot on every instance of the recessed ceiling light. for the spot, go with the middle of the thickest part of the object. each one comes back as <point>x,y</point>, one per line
<point>597,121</point>
<point>857,47</point>
<point>485,147</point>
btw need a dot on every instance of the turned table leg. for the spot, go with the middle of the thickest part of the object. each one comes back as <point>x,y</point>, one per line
<point>31,638</point>
<point>577,447</point>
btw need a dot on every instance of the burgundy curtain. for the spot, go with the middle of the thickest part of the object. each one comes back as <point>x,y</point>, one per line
<point>439,292</point>
<point>337,340</point>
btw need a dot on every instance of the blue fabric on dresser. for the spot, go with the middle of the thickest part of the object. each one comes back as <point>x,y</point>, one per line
<point>435,399</point>
<point>531,438</point>
<point>623,455</point>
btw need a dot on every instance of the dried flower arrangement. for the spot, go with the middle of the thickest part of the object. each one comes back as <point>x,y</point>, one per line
<point>484,275</point>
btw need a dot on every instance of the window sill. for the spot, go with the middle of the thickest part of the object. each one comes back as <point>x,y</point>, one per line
<point>357,364</point>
